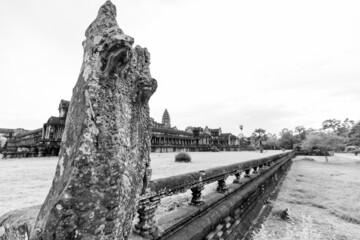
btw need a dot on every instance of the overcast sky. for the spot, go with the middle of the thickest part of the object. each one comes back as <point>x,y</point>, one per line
<point>262,64</point>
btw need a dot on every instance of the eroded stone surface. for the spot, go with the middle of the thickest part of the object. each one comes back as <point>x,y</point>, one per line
<point>104,157</point>
<point>17,224</point>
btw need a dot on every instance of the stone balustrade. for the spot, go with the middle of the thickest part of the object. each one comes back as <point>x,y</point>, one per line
<point>196,181</point>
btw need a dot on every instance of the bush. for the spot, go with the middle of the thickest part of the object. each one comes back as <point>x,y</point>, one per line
<point>250,148</point>
<point>356,152</point>
<point>350,148</point>
<point>182,157</point>
<point>323,142</point>
<point>308,159</point>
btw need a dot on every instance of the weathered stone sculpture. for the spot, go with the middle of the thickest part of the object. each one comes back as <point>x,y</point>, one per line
<point>104,157</point>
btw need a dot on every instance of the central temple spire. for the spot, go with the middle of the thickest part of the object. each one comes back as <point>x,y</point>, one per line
<point>166,119</point>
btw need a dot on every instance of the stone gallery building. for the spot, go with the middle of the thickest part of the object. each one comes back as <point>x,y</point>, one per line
<point>46,141</point>
<point>40,142</point>
<point>166,138</point>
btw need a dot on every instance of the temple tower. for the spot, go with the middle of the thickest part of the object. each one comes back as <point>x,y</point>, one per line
<point>63,108</point>
<point>166,119</point>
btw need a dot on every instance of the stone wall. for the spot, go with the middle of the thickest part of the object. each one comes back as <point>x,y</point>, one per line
<point>23,145</point>
<point>229,214</point>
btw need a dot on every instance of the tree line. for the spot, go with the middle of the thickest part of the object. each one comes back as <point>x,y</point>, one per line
<point>334,135</point>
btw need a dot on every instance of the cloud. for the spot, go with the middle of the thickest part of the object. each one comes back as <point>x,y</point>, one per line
<point>222,65</point>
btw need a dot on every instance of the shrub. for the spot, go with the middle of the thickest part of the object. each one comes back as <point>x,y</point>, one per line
<point>250,148</point>
<point>350,148</point>
<point>356,151</point>
<point>308,159</point>
<point>323,142</point>
<point>182,157</point>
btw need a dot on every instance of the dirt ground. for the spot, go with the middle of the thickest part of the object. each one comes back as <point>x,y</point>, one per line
<point>323,199</point>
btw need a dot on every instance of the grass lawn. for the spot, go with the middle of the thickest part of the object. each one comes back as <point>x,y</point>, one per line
<point>323,199</point>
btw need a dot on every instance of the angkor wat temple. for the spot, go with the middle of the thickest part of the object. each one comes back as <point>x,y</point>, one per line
<point>46,141</point>
<point>40,142</point>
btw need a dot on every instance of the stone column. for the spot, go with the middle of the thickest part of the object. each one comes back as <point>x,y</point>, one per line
<point>147,226</point>
<point>222,187</point>
<point>104,162</point>
<point>237,177</point>
<point>196,191</point>
<point>247,173</point>
<point>261,168</point>
<point>196,195</point>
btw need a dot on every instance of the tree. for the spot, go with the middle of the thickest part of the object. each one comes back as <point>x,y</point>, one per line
<point>301,131</point>
<point>259,136</point>
<point>354,135</point>
<point>337,127</point>
<point>287,139</point>
<point>285,130</point>
<point>345,127</point>
<point>331,125</point>
<point>324,142</point>
<point>271,141</point>
<point>311,131</point>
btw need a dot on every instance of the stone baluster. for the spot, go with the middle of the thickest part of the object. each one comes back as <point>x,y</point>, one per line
<point>261,168</point>
<point>265,166</point>
<point>256,169</point>
<point>247,173</point>
<point>237,177</point>
<point>196,191</point>
<point>196,195</point>
<point>263,187</point>
<point>147,225</point>
<point>222,188</point>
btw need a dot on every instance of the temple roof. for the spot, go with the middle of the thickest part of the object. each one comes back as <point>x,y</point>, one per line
<point>215,130</point>
<point>226,136</point>
<point>64,104</point>
<point>29,133</point>
<point>56,120</point>
<point>205,135</point>
<point>170,130</point>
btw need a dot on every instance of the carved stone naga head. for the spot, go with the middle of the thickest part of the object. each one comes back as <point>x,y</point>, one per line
<point>116,57</point>
<point>104,159</point>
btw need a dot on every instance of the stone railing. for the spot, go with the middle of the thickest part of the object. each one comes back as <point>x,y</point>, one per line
<point>228,215</point>
<point>196,181</point>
